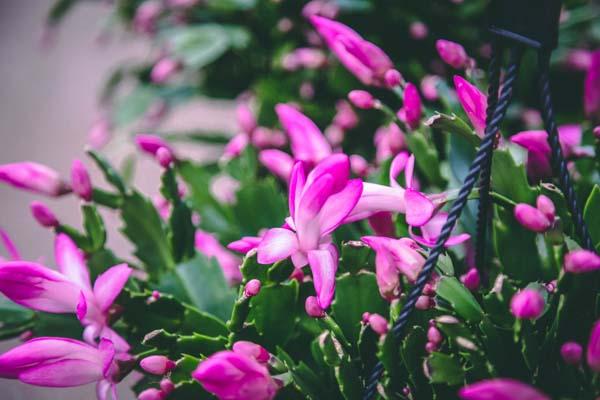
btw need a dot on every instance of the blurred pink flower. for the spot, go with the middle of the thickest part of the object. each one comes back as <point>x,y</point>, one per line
<point>34,177</point>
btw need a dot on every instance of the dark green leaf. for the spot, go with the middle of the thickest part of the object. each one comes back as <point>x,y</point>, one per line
<point>445,369</point>
<point>591,215</point>
<point>460,298</point>
<point>94,227</point>
<point>14,319</point>
<point>427,159</point>
<point>510,179</point>
<point>454,125</point>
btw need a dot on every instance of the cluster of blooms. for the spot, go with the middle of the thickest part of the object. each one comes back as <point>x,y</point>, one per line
<point>322,196</point>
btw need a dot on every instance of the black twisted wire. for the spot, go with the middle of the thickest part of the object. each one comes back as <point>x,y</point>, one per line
<point>559,165</point>
<point>486,171</point>
<point>453,215</point>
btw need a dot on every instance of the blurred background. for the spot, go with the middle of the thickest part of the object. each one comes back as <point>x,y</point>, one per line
<point>48,101</point>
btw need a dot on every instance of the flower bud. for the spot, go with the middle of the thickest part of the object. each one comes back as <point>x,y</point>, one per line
<point>164,157</point>
<point>33,177</point>
<point>80,180</point>
<point>358,165</point>
<point>471,279</point>
<point>245,118</point>
<point>164,69</point>
<point>150,144</point>
<point>378,323</point>
<point>424,303</point>
<point>43,215</point>
<point>252,350</point>
<point>593,349</point>
<point>167,386</point>
<point>452,53</point>
<point>597,132</point>
<point>418,30</point>
<point>361,99</point>
<point>151,394</point>
<point>312,307</point>
<point>591,95</point>
<point>434,335</point>
<point>412,106</point>
<point>146,16</point>
<point>580,261</point>
<point>571,353</point>
<point>531,218</point>
<point>157,365</point>
<point>392,78</point>
<point>430,347</point>
<point>252,288</point>
<point>546,206</point>
<point>473,102</point>
<point>365,317</point>
<point>429,87</point>
<point>500,388</point>
<point>527,304</point>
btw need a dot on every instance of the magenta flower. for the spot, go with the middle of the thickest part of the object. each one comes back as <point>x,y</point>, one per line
<point>235,376</point>
<point>393,78</point>
<point>61,362</point>
<point>312,307</point>
<point>164,69</point>
<point>394,257</point>
<point>593,348</point>
<point>500,389</point>
<point>378,323</point>
<point>43,215</point>
<point>236,146</point>
<point>80,180</point>
<point>581,261</point>
<point>252,288</point>
<point>319,202</point>
<point>99,133</point>
<point>278,162</point>
<point>539,152</point>
<point>452,53</point>
<point>252,350</point>
<point>208,245</point>
<point>571,353</point>
<point>365,60</point>
<point>69,290</point>
<point>146,16</point>
<point>382,224</point>
<point>152,394</point>
<point>33,177</point>
<point>362,99</point>
<point>151,143</point>
<point>591,96</point>
<point>412,106</point>
<point>473,102</point>
<point>537,219</point>
<point>389,141</point>
<point>471,279</point>
<point>306,140</point>
<point>345,117</point>
<point>245,118</point>
<point>527,304</point>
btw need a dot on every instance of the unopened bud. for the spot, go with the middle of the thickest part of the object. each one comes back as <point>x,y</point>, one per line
<point>157,365</point>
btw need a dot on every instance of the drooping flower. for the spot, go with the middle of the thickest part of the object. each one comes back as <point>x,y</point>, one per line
<point>473,102</point>
<point>34,177</point>
<point>537,219</point>
<point>581,261</point>
<point>61,362</point>
<point>593,348</point>
<point>591,94</point>
<point>392,258</point>
<point>501,389</point>
<point>231,375</point>
<point>208,245</point>
<point>68,291</point>
<point>318,202</point>
<point>452,53</point>
<point>364,59</point>
<point>527,304</point>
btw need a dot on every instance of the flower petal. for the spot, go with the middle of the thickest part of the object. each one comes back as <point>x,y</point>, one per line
<point>398,165</point>
<point>277,244</point>
<point>419,208</point>
<point>70,261</point>
<point>109,284</point>
<point>323,266</point>
<point>313,199</point>
<point>338,206</point>
<point>306,140</point>
<point>278,162</point>
<point>297,183</point>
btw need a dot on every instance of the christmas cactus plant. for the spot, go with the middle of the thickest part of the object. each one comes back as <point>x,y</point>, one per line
<point>278,271</point>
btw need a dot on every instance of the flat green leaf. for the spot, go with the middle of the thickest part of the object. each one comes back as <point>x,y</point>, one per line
<point>14,319</point>
<point>260,204</point>
<point>453,125</point>
<point>198,45</point>
<point>460,298</point>
<point>110,173</point>
<point>427,159</point>
<point>445,369</point>
<point>591,214</point>
<point>94,227</point>
<point>134,105</point>
<point>510,179</point>
<point>349,380</point>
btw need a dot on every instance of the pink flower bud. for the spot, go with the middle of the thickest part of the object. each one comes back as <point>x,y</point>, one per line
<point>151,143</point>
<point>392,78</point>
<point>412,106</point>
<point>80,180</point>
<point>245,118</point>
<point>99,133</point>
<point>43,215</point>
<point>358,165</point>
<point>571,353</point>
<point>378,323</point>
<point>151,394</point>
<point>252,350</point>
<point>157,365</point>
<point>531,218</point>
<point>581,261</point>
<point>146,16</point>
<point>345,117</point>
<point>361,99</point>
<point>164,157</point>
<point>164,69</point>
<point>527,304</point>
<point>500,389</point>
<point>579,59</point>
<point>452,53</point>
<point>312,307</point>
<point>471,279</point>
<point>252,288</point>
<point>473,102</point>
<point>546,206</point>
<point>33,177</point>
<point>430,347</point>
<point>597,132</point>
<point>434,335</point>
<point>236,146</point>
<point>424,303</point>
<point>365,317</point>
<point>429,87</point>
<point>591,94</point>
<point>418,30</point>
<point>593,349</point>
<point>167,386</point>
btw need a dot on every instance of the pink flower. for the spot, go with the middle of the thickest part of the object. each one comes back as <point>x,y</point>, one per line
<point>252,288</point>
<point>99,133</point>
<point>365,60</point>
<point>245,244</point>
<point>312,307</point>
<point>61,362</point>
<point>33,177</point>
<point>393,78</point>
<point>537,219</point>
<point>571,353</point>
<point>208,245</point>
<point>378,323</point>
<point>452,53</point>
<point>265,138</point>
<point>324,8</point>
<point>579,59</point>
<point>306,140</point>
<point>429,86</point>
<point>581,261</point>
<point>236,146</point>
<point>358,165</point>
<point>539,152</point>
<point>146,16</point>
<point>345,117</point>
<point>394,257</point>
<point>389,141</point>
<point>43,215</point>
<point>527,304</point>
<point>252,350</point>
<point>164,69</point>
<point>304,57</point>
<point>157,365</point>
<point>418,30</point>
<point>471,279</point>
<point>473,102</point>
<point>593,348</point>
<point>80,180</point>
<point>591,94</point>
<point>362,99</point>
<point>164,157</point>
<point>412,106</point>
<point>152,394</point>
<point>500,389</point>
<point>319,202</point>
<point>432,229</point>
<point>69,290</point>
<point>245,118</point>
<point>278,162</point>
<point>151,143</point>
<point>233,376</point>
